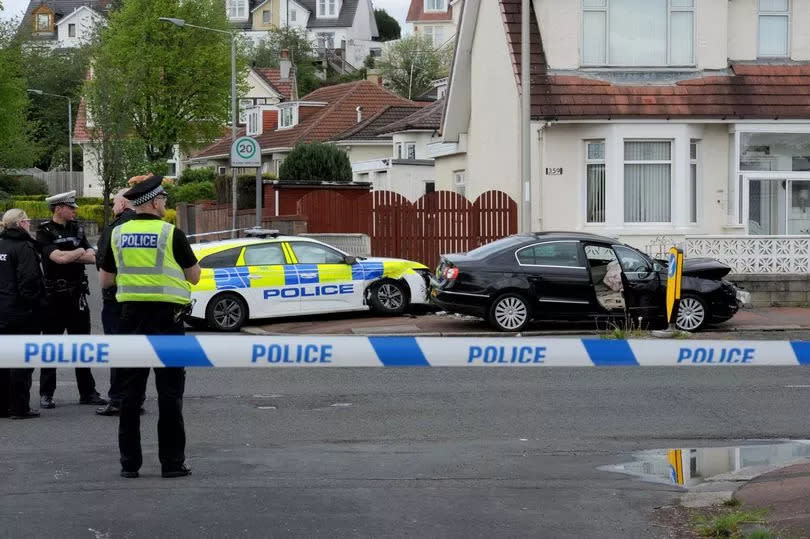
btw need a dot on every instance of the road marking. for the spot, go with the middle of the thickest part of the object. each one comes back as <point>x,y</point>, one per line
<point>805,386</point>
<point>340,405</point>
<point>267,408</point>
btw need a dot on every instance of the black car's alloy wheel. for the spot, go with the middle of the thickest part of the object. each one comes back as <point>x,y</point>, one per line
<point>388,297</point>
<point>226,312</point>
<point>693,313</point>
<point>510,312</point>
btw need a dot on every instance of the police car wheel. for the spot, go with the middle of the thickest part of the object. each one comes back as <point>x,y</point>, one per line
<point>693,313</point>
<point>226,312</point>
<point>388,297</point>
<point>510,312</point>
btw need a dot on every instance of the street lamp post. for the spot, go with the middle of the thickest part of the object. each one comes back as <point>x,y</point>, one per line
<point>234,119</point>
<point>70,121</point>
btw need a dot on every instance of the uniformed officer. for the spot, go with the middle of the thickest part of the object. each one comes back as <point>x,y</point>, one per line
<point>21,292</point>
<point>111,309</point>
<point>153,266</point>
<point>65,251</point>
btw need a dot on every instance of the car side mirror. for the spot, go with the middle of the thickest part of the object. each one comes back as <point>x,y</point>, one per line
<point>350,260</point>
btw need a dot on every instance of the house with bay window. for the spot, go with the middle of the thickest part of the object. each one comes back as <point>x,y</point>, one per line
<point>435,19</point>
<point>655,121</point>
<point>346,28</point>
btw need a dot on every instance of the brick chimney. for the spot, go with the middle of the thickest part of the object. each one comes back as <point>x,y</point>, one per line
<point>373,75</point>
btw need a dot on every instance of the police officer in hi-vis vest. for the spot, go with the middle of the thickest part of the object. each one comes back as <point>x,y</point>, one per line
<point>152,264</point>
<point>65,251</point>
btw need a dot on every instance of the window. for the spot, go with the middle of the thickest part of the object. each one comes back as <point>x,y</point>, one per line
<point>775,151</point>
<point>244,105</point>
<point>778,206</point>
<point>558,253</point>
<point>286,117</point>
<point>269,254</point>
<point>267,16</point>
<point>595,180</point>
<point>647,179</point>
<point>435,33</point>
<point>222,259</point>
<point>237,9</point>
<point>435,5</point>
<point>43,23</point>
<point>694,148</point>
<point>410,150</point>
<point>222,170</point>
<point>315,253</point>
<point>326,40</point>
<point>293,15</point>
<point>71,30</point>
<point>631,260</point>
<point>459,182</point>
<point>327,8</point>
<point>638,32</point>
<point>430,187</point>
<point>774,24</point>
<point>398,153</point>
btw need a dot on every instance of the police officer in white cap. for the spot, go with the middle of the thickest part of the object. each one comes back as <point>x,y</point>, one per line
<point>152,264</point>
<point>65,251</point>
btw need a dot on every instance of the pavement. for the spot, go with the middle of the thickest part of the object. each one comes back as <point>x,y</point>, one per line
<point>423,321</point>
<point>785,493</point>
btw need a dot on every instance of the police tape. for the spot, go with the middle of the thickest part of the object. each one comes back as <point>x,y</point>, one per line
<point>68,351</point>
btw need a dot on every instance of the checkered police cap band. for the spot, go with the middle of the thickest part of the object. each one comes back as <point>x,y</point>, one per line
<point>146,197</point>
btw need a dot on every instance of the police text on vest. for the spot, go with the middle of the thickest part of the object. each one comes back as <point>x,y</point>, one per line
<point>139,240</point>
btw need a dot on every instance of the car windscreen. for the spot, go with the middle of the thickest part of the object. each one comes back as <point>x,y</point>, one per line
<point>496,246</point>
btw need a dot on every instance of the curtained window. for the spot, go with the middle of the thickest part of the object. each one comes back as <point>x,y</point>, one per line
<point>647,181</point>
<point>774,24</point>
<point>595,178</point>
<point>638,32</point>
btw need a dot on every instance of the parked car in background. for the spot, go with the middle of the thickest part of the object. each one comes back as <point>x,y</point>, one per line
<point>289,275</point>
<point>576,276</point>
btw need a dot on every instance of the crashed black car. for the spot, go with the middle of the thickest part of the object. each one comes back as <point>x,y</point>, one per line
<point>576,276</point>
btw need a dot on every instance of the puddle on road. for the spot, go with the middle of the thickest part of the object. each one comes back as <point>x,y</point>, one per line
<point>691,467</point>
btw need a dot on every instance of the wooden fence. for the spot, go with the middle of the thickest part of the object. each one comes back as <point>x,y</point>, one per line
<point>439,222</point>
<point>59,181</point>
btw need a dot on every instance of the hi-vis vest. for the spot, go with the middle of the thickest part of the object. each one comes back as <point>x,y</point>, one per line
<point>147,270</point>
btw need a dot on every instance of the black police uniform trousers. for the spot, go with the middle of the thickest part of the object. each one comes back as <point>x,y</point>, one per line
<point>15,384</point>
<point>151,318</point>
<point>65,313</point>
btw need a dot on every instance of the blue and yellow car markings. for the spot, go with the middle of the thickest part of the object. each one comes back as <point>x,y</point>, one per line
<point>365,271</point>
<point>232,278</point>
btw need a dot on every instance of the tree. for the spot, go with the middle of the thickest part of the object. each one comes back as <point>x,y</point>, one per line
<point>61,72</point>
<point>387,25</point>
<point>302,55</point>
<point>410,65</point>
<point>175,82</point>
<point>17,147</point>
<point>316,162</point>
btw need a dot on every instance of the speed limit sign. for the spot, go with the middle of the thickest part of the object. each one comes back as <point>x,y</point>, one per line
<point>245,152</point>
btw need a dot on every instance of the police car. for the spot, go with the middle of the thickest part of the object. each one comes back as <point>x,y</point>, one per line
<point>265,277</point>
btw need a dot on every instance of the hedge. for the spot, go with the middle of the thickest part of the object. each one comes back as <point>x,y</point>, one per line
<point>197,175</point>
<point>41,210</point>
<point>191,193</point>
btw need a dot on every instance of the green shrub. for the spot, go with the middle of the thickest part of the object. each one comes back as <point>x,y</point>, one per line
<point>197,175</point>
<point>34,208</point>
<point>89,201</point>
<point>191,193</point>
<point>91,213</point>
<point>27,185</point>
<point>8,184</point>
<point>29,197</point>
<point>315,163</point>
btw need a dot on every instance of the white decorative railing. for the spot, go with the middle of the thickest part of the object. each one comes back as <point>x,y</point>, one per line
<point>754,254</point>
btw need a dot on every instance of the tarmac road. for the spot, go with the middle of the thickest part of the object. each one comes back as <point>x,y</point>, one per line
<point>389,452</point>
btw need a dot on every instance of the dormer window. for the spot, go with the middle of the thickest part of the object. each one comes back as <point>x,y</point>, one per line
<point>328,9</point>
<point>435,5</point>
<point>43,19</point>
<point>237,10</point>
<point>287,116</point>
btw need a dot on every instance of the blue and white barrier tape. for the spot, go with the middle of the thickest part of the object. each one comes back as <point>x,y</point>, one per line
<point>19,351</point>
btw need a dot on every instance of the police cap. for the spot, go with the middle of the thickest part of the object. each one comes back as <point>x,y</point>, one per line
<point>63,199</point>
<point>143,192</point>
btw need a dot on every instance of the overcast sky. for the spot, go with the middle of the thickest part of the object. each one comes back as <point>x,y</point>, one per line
<point>397,8</point>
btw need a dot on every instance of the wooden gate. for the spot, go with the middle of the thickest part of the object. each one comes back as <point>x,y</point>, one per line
<point>328,211</point>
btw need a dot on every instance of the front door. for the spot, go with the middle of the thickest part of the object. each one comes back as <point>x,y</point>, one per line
<point>643,291</point>
<point>325,279</point>
<point>270,273</point>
